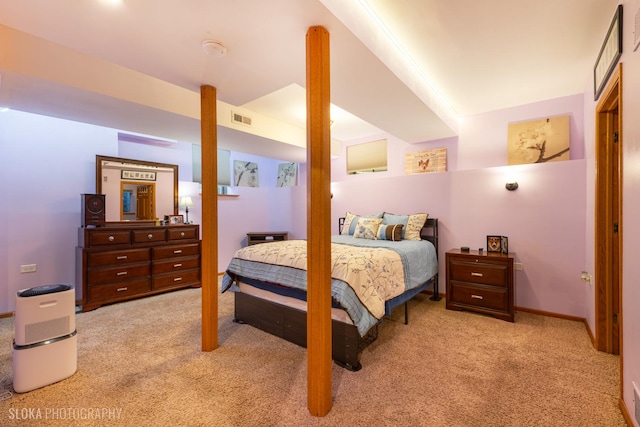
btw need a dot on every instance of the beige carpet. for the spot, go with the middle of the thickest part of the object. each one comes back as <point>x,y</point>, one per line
<point>141,360</point>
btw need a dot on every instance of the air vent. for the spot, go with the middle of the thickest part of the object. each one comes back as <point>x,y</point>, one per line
<point>239,118</point>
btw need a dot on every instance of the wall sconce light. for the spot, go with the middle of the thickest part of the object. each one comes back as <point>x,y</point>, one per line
<point>511,186</point>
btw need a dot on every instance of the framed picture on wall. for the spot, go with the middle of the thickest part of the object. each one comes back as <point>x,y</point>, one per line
<point>610,53</point>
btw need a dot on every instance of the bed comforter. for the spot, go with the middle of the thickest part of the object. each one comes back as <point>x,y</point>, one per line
<point>365,273</point>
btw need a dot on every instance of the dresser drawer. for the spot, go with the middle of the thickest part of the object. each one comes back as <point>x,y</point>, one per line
<point>106,275</point>
<point>106,238</point>
<point>113,258</point>
<point>119,290</point>
<point>150,235</point>
<point>171,280</point>
<point>483,273</point>
<point>477,296</point>
<point>175,251</point>
<point>183,233</point>
<point>175,264</point>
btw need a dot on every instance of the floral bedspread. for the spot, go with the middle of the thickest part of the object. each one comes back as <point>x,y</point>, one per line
<point>374,274</point>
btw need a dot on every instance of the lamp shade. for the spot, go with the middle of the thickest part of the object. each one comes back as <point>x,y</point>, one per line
<point>186,202</point>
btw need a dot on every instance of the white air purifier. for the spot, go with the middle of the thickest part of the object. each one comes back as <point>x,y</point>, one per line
<point>45,347</point>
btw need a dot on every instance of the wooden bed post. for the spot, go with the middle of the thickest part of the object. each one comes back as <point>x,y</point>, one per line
<point>209,259</point>
<point>318,224</point>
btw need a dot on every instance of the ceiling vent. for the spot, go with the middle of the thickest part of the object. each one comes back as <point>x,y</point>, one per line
<point>239,118</point>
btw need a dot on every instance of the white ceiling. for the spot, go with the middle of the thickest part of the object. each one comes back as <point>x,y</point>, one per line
<point>138,65</point>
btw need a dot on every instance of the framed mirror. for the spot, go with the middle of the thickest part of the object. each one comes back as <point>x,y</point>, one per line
<point>136,190</point>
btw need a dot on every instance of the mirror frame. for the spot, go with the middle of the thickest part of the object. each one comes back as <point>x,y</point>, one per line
<point>100,159</point>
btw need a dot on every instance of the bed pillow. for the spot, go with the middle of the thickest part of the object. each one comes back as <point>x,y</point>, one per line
<point>392,219</point>
<point>367,228</point>
<point>390,232</point>
<point>414,225</point>
<point>351,220</point>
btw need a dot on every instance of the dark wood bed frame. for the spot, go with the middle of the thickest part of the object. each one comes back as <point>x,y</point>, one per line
<point>291,324</point>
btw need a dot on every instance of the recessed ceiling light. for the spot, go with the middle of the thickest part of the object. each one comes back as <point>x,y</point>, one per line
<point>214,48</point>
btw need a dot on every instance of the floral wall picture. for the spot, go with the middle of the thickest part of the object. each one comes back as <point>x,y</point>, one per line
<point>245,173</point>
<point>426,161</point>
<point>539,141</point>
<point>287,174</point>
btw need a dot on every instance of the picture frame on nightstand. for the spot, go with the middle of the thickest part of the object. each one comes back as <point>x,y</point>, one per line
<point>494,243</point>
<point>504,244</point>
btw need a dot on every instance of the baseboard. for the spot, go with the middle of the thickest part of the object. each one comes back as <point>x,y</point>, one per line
<point>625,412</point>
<point>4,315</point>
<point>551,314</point>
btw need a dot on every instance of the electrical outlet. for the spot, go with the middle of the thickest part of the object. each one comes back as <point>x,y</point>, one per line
<point>517,266</point>
<point>28,268</point>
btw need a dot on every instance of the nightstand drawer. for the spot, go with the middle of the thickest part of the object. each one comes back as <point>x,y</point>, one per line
<point>477,296</point>
<point>481,282</point>
<point>482,273</point>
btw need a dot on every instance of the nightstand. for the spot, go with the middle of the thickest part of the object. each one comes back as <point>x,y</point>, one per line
<point>481,282</point>
<point>267,236</point>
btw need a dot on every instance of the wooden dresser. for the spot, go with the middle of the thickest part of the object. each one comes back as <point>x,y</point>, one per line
<point>122,262</point>
<point>481,282</point>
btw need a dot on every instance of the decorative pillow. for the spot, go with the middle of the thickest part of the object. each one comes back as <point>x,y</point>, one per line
<point>392,219</point>
<point>367,228</point>
<point>414,225</point>
<point>349,218</point>
<point>390,232</point>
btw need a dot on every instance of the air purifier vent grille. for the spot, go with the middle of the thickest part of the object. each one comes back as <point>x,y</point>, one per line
<point>41,331</point>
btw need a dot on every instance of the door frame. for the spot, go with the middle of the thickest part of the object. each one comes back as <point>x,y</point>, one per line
<point>607,244</point>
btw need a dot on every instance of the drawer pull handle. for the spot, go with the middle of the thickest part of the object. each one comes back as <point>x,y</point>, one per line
<point>178,251</point>
<point>477,274</point>
<point>121,289</point>
<point>182,234</point>
<point>477,296</point>
<point>177,265</point>
<point>149,236</point>
<point>177,279</point>
<point>111,238</point>
<point>122,257</point>
<point>121,273</point>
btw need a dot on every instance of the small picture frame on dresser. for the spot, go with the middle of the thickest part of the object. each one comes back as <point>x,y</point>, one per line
<point>176,219</point>
<point>494,243</point>
<point>504,244</point>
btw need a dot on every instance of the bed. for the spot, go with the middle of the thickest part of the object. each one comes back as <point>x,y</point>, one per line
<point>371,275</point>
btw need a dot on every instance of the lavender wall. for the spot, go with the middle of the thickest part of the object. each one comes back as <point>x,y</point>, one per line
<point>544,219</point>
<point>46,163</point>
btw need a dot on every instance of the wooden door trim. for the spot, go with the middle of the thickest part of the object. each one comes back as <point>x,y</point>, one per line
<point>610,101</point>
